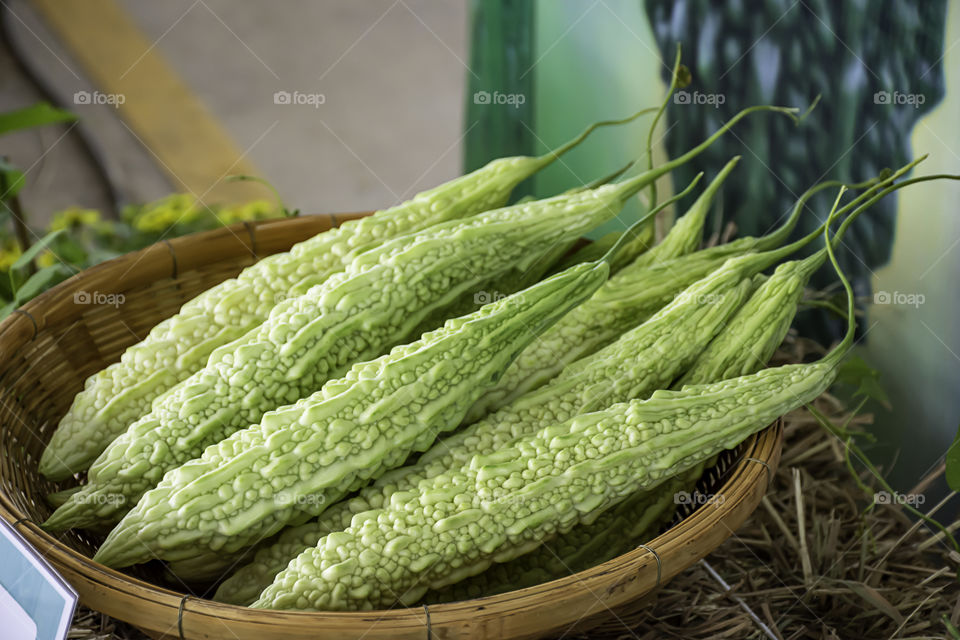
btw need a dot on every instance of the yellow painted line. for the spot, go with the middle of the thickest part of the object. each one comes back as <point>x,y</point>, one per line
<point>189,143</point>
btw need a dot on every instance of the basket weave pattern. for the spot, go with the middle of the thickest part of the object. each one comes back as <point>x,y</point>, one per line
<point>47,350</point>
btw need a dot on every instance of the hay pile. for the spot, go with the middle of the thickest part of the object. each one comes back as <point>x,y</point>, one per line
<point>809,563</point>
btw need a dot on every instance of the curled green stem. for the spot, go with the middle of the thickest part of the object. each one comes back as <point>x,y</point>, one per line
<point>674,81</point>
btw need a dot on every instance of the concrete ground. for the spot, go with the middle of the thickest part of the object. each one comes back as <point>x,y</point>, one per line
<point>391,73</point>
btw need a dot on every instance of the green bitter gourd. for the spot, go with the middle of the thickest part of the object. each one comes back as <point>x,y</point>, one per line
<point>312,338</point>
<point>614,532</point>
<point>503,504</point>
<point>301,458</point>
<point>643,360</point>
<point>753,334</point>
<point>115,397</point>
<point>629,298</point>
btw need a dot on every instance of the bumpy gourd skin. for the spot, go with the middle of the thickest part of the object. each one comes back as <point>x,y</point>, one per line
<point>627,300</point>
<point>624,301</point>
<point>303,457</point>
<point>518,279</point>
<point>615,531</point>
<point>203,569</point>
<point>353,316</point>
<point>115,397</point>
<point>744,345</point>
<point>645,359</point>
<point>753,334</point>
<point>503,504</point>
<point>589,252</point>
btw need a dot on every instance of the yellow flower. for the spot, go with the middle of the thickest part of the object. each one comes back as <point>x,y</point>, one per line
<point>47,259</point>
<point>255,210</point>
<point>166,212</point>
<point>8,256</point>
<point>74,217</point>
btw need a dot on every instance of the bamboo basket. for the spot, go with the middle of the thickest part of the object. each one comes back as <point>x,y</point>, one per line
<point>50,346</point>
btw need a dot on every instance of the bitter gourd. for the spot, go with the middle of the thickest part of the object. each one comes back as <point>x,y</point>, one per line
<point>503,504</point>
<point>743,267</point>
<point>301,458</point>
<point>518,279</point>
<point>753,334</point>
<point>615,531</point>
<point>643,360</point>
<point>629,298</point>
<point>206,568</point>
<point>312,338</point>
<point>115,397</point>
<point>355,315</point>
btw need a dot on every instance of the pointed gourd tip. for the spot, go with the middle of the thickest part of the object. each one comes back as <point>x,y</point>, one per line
<point>121,550</point>
<point>75,513</point>
<point>62,518</point>
<point>53,469</point>
<point>731,163</point>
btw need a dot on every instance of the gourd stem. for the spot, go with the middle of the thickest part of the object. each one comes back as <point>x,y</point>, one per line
<point>599,182</point>
<point>674,81</point>
<point>780,235</point>
<point>830,243</point>
<point>885,192</point>
<point>550,156</point>
<point>841,349</point>
<point>821,255</point>
<point>635,229</point>
<point>873,194</point>
<point>631,186</point>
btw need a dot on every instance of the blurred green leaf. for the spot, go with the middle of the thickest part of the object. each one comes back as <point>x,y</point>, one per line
<point>953,464</point>
<point>37,115</point>
<point>41,281</point>
<point>954,632</point>
<point>70,250</point>
<point>19,269</point>
<point>11,181</point>
<point>79,240</point>
<point>857,373</point>
<point>102,255</point>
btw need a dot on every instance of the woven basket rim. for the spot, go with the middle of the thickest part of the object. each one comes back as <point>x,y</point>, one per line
<point>619,579</point>
<point>761,456</point>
